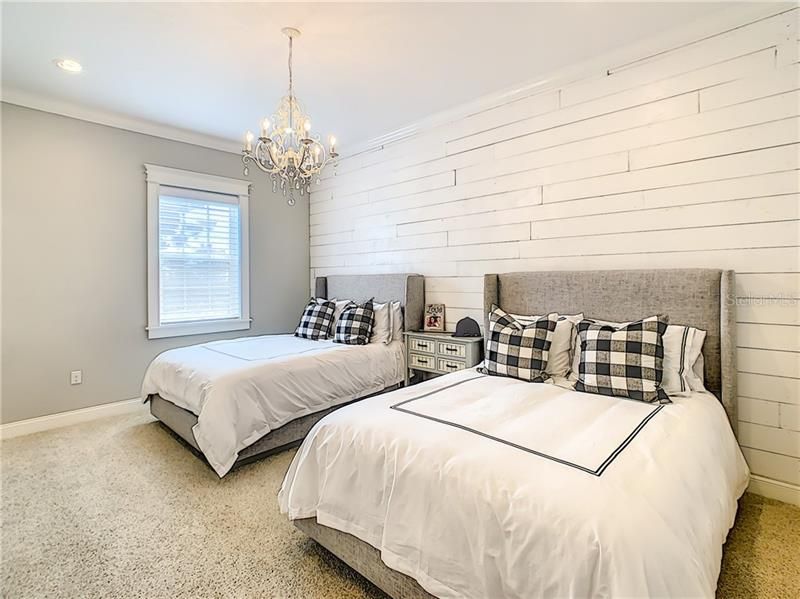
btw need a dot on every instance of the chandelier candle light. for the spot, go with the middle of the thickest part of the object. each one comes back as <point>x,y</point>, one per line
<point>286,149</point>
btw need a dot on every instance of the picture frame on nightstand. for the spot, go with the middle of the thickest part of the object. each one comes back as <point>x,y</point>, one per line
<point>434,318</point>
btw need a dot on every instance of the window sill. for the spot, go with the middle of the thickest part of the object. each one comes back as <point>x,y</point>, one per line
<point>197,328</point>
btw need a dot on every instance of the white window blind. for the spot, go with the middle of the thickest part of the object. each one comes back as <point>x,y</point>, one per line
<point>199,249</point>
<point>197,253</point>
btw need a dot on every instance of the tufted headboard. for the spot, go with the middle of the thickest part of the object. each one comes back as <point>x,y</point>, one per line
<point>703,298</point>
<point>408,289</point>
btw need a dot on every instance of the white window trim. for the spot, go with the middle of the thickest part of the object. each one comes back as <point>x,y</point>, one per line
<point>172,177</point>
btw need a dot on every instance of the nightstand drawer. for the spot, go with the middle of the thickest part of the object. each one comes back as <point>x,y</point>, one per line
<point>448,365</point>
<point>456,350</point>
<point>422,345</point>
<point>420,361</point>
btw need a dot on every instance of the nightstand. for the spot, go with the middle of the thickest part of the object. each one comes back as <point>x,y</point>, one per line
<point>440,353</point>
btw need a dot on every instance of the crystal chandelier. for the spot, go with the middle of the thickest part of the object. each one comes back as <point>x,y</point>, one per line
<point>286,149</point>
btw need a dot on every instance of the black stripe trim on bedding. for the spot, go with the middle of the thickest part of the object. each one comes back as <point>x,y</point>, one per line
<point>683,353</point>
<point>597,472</point>
<point>435,391</point>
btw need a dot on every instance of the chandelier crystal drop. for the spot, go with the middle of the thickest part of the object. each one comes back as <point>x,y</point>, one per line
<point>286,148</point>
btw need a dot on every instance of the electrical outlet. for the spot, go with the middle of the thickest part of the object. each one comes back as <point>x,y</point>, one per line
<point>76,377</point>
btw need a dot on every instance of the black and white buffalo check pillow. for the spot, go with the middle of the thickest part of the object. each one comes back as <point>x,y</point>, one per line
<point>518,350</point>
<point>354,326</point>
<point>317,320</point>
<point>625,361</point>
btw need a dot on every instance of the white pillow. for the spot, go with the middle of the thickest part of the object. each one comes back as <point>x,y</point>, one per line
<point>397,321</point>
<point>558,361</point>
<point>382,327</point>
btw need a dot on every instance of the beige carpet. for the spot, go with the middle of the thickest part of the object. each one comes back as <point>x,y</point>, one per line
<point>118,508</point>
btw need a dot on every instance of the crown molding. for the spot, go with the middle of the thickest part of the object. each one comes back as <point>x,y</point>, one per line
<point>116,120</point>
<point>715,24</point>
<point>599,66</point>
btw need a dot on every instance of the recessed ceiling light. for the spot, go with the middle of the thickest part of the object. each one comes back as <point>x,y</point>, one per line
<point>69,65</point>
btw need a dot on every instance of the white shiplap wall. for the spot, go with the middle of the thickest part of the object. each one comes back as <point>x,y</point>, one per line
<point>683,158</point>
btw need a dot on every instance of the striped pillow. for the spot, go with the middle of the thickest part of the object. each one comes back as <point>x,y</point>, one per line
<point>682,348</point>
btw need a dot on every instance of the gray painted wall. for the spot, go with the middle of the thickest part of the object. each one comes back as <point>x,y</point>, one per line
<point>74,275</point>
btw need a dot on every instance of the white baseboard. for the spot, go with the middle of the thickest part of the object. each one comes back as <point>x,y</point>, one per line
<point>44,423</point>
<point>774,489</point>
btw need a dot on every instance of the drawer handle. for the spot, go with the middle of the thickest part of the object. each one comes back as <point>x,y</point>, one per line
<point>421,361</point>
<point>451,349</point>
<point>451,366</point>
<point>425,345</point>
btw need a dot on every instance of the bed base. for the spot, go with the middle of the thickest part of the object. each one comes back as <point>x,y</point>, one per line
<point>180,422</point>
<point>364,559</point>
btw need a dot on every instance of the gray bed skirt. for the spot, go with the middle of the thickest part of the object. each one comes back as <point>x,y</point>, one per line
<point>363,558</point>
<point>291,434</point>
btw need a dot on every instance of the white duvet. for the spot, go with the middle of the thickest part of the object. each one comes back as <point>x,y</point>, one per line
<point>490,487</point>
<point>240,389</point>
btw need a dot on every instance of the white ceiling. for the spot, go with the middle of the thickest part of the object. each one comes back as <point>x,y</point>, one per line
<point>361,70</point>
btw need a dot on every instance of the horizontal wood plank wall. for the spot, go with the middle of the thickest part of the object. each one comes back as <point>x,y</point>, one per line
<point>687,158</point>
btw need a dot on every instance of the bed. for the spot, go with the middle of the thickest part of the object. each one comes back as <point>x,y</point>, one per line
<point>476,486</point>
<point>238,400</point>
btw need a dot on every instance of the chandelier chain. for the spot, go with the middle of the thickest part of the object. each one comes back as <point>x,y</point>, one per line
<point>291,92</point>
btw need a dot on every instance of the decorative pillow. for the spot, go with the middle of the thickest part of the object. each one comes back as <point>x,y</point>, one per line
<point>558,363</point>
<point>382,327</point>
<point>576,345</point>
<point>355,324</point>
<point>625,361</point>
<point>682,347</point>
<point>317,320</point>
<point>516,350</point>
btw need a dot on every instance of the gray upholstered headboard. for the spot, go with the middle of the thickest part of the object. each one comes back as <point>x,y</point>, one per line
<point>703,298</point>
<point>408,289</point>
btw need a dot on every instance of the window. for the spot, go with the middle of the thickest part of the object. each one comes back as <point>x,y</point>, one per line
<point>197,253</point>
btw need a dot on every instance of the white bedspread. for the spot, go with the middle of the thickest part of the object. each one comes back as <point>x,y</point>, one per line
<point>489,487</point>
<point>241,389</point>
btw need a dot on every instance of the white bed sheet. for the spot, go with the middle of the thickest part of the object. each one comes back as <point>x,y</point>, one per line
<point>491,487</point>
<point>241,389</point>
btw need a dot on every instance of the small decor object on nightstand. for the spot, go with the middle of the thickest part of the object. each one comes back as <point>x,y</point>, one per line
<point>434,318</point>
<point>467,327</point>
